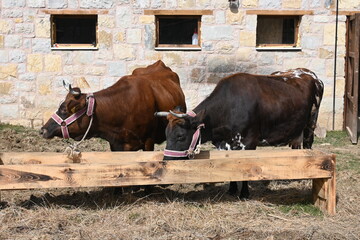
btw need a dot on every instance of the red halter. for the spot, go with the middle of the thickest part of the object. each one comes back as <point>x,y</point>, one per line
<point>65,123</point>
<point>190,153</point>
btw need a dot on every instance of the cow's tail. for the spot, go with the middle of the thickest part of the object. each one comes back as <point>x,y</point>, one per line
<point>311,125</point>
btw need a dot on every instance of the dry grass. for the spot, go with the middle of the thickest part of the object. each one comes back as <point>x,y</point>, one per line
<point>279,210</point>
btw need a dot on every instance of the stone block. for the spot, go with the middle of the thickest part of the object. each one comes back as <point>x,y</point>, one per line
<point>9,111</point>
<point>41,45</point>
<point>1,41</point>
<point>249,3</point>
<point>27,77</point>
<point>58,4</point>
<point>34,62</point>
<point>5,26</point>
<point>291,3</point>
<point>44,84</point>
<point>13,4</point>
<point>235,17</point>
<point>105,39</point>
<point>53,63</point>
<point>187,4</point>
<point>133,35</point>
<point>17,56</point>
<point>106,21</point>
<point>172,58</point>
<point>269,4</point>
<point>224,32</point>
<point>349,4</point>
<point>124,52</point>
<point>5,88</point>
<point>42,27</point>
<point>24,28</point>
<point>117,69</point>
<point>123,17</point>
<point>311,42</point>
<point>219,17</point>
<point>146,19</point>
<point>13,41</point>
<point>97,4</point>
<point>36,3</point>
<point>8,70</point>
<point>247,39</point>
<point>95,70</point>
<point>325,53</point>
<point>12,13</point>
<point>83,57</point>
<point>4,56</point>
<point>221,64</point>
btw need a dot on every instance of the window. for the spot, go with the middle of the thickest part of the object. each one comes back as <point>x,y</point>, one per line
<point>277,31</point>
<point>73,31</point>
<point>178,32</point>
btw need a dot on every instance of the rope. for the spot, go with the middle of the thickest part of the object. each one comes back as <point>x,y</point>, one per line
<point>72,150</point>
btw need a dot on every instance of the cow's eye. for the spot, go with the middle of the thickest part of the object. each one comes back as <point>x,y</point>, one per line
<point>180,138</point>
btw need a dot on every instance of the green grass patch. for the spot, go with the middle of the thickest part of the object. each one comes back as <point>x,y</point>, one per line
<point>335,138</point>
<point>347,162</point>
<point>300,209</point>
<point>16,128</point>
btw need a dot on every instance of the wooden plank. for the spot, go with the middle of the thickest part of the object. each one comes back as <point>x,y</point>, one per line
<point>165,172</point>
<point>116,157</point>
<point>74,12</point>
<point>280,12</point>
<point>178,12</point>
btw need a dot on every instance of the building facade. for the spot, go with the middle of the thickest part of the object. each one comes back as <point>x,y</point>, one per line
<point>257,36</point>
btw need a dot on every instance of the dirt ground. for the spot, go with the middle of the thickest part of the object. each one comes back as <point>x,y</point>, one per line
<point>279,210</point>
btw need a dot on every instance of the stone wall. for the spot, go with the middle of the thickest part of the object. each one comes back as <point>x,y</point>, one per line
<point>31,74</point>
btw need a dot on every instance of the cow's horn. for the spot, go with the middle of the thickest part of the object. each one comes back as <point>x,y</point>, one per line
<point>161,114</point>
<point>74,92</point>
<point>179,115</point>
<point>65,85</point>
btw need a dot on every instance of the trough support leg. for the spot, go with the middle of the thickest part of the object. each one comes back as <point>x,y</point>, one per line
<point>324,194</point>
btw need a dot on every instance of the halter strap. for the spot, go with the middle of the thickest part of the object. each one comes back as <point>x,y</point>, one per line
<point>65,123</point>
<point>193,148</point>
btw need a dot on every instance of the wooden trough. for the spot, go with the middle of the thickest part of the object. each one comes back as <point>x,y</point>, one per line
<point>27,170</point>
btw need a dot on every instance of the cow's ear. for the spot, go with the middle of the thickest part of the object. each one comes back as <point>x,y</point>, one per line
<point>198,119</point>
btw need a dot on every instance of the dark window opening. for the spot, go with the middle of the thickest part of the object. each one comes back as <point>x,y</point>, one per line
<point>178,30</point>
<point>74,29</point>
<point>277,30</point>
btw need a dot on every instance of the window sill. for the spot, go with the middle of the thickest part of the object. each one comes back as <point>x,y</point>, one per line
<point>290,49</point>
<point>178,48</point>
<point>74,48</point>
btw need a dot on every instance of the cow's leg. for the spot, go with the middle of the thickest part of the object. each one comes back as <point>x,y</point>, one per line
<point>149,144</point>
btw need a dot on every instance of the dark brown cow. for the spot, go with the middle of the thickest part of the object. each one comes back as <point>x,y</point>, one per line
<point>245,111</point>
<point>123,113</point>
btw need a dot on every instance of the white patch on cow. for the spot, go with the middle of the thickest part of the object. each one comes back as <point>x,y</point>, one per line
<point>285,79</point>
<point>237,141</point>
<point>264,142</point>
<point>298,72</point>
<point>226,147</point>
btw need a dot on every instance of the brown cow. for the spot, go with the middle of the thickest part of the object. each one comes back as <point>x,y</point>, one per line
<point>122,114</point>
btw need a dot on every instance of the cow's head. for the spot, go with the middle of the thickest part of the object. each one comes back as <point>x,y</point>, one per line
<point>182,134</point>
<point>74,102</point>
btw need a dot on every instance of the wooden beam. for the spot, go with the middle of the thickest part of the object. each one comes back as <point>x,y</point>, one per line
<point>178,12</point>
<point>26,170</point>
<point>164,172</point>
<point>74,12</point>
<point>280,12</point>
<point>11,158</point>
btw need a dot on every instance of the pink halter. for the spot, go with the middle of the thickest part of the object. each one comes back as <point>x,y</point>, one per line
<point>190,153</point>
<point>65,123</point>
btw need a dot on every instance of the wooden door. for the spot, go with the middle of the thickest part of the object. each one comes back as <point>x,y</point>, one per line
<point>352,77</point>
